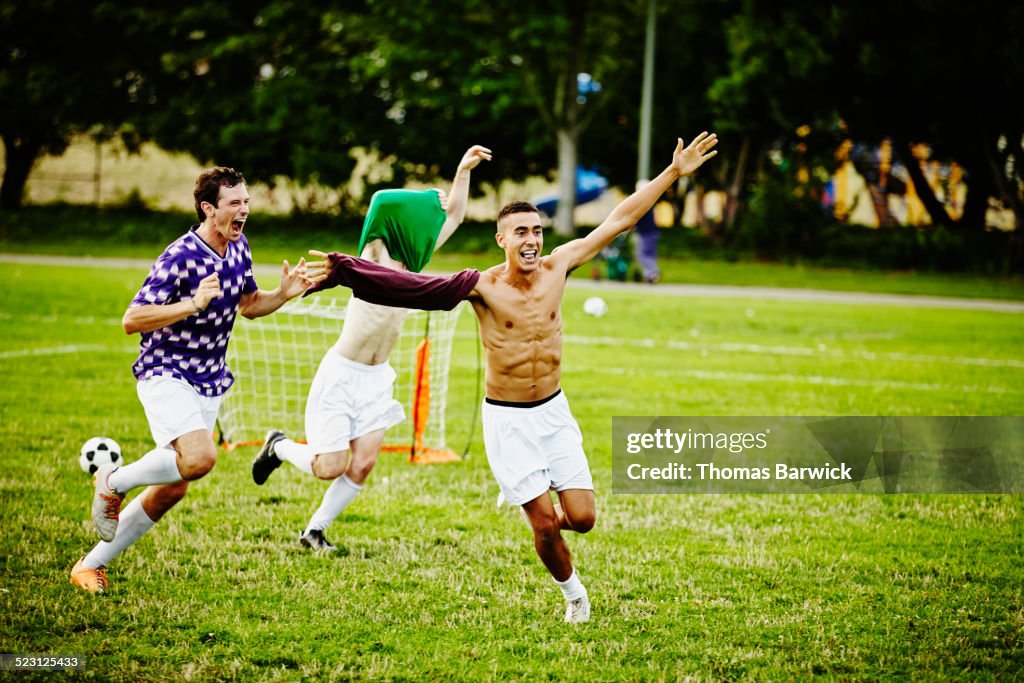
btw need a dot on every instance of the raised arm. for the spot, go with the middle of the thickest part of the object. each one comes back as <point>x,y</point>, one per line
<point>685,161</point>
<point>459,196</point>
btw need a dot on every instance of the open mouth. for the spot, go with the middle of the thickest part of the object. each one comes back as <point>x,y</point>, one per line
<point>528,255</point>
<point>236,226</point>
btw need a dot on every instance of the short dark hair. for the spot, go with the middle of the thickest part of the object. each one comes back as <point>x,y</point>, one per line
<point>209,183</point>
<point>518,206</point>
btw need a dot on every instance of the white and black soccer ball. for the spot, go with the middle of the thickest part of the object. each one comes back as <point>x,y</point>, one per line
<point>99,450</point>
<point>595,306</point>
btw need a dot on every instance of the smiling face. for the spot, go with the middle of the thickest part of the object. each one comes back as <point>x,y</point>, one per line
<point>521,237</point>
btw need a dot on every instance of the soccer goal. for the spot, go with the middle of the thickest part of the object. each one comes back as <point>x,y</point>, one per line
<point>274,359</point>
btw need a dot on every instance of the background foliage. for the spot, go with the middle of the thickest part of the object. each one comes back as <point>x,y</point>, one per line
<point>286,89</point>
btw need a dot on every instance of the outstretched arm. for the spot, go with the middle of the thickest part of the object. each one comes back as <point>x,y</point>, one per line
<point>685,161</point>
<point>459,197</point>
<point>260,303</point>
<point>149,317</point>
<point>377,284</point>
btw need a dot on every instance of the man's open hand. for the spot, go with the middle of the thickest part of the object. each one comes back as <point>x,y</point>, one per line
<point>686,160</point>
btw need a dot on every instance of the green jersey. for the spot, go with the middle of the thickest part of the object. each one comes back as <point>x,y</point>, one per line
<point>408,221</point>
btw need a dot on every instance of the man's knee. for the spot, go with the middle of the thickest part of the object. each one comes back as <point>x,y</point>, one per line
<point>361,466</point>
<point>197,454</point>
<point>329,465</point>
<point>196,460</point>
<point>579,510</point>
<point>582,522</point>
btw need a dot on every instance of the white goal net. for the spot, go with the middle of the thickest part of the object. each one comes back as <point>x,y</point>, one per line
<point>274,359</point>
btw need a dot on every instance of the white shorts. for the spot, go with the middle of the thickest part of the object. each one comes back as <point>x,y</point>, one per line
<point>531,450</point>
<point>174,408</point>
<point>347,400</point>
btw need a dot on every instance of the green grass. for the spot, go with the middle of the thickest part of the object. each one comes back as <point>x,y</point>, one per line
<point>432,583</point>
<point>697,271</point>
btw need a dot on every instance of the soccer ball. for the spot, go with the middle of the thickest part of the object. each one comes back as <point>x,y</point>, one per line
<point>99,450</point>
<point>595,306</point>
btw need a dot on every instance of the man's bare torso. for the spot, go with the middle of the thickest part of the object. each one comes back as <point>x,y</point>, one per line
<point>370,331</point>
<point>521,330</point>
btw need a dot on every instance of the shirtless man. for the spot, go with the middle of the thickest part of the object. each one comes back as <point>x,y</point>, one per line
<point>533,442</point>
<point>351,403</point>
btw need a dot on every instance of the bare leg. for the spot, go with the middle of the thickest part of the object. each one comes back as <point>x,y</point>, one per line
<point>157,500</point>
<point>578,513</point>
<point>138,519</point>
<point>365,450</point>
<point>330,465</point>
<point>547,536</point>
<point>345,488</point>
<point>197,454</point>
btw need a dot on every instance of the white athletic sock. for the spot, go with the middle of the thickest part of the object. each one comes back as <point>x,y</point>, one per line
<point>298,454</point>
<point>133,524</point>
<point>572,588</point>
<point>339,494</point>
<point>159,466</point>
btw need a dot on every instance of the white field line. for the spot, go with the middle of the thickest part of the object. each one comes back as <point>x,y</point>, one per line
<point>784,378</point>
<point>804,351</point>
<point>59,350</point>
<point>799,379</point>
<point>848,355</point>
<point>804,295</point>
<point>63,320</point>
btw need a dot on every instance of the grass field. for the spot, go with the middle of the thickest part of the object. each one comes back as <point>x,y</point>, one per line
<point>432,583</point>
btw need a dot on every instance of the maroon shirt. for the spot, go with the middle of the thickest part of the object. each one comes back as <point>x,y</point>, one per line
<point>377,284</point>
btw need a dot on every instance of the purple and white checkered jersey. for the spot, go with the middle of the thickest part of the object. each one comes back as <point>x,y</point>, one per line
<point>194,349</point>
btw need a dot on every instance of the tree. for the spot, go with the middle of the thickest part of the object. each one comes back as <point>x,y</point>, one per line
<point>941,72</point>
<point>282,94</point>
<point>52,89</point>
<point>298,85</point>
<point>293,86</point>
<point>690,53</point>
<point>510,68</point>
<point>780,76</point>
<point>444,90</point>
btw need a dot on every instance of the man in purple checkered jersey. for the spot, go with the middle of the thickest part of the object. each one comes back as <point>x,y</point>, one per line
<point>185,311</point>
